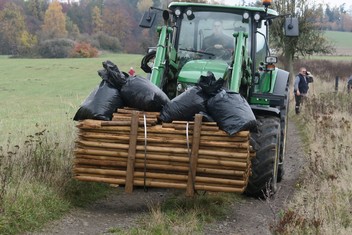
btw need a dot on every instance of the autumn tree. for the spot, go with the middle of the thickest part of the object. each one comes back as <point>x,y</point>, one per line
<point>54,22</point>
<point>117,22</point>
<point>13,33</point>
<point>72,29</point>
<point>310,40</point>
<point>36,8</point>
<point>97,22</point>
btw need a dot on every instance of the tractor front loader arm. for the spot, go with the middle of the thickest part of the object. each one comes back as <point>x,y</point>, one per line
<point>241,66</point>
<point>160,60</point>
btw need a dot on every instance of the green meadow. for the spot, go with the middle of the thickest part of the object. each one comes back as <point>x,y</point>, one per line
<point>339,39</point>
<point>48,92</point>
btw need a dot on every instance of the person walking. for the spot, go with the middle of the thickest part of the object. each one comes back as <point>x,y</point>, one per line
<point>300,88</point>
<point>349,84</point>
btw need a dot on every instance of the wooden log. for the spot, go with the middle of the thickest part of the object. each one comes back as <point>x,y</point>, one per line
<point>156,139</point>
<point>150,183</point>
<point>194,155</point>
<point>94,162</point>
<point>99,152</point>
<point>167,159</point>
<point>132,153</point>
<point>205,141</point>
<point>126,123</point>
<point>159,129</point>
<point>201,170</point>
<point>151,175</point>
<point>171,135</point>
<point>220,189</point>
<point>130,111</point>
<point>157,167</point>
<point>192,123</point>
<point>170,149</point>
<point>190,127</point>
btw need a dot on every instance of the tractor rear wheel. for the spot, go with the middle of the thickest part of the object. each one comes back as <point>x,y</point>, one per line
<point>266,143</point>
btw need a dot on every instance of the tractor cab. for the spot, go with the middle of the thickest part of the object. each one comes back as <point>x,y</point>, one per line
<point>206,36</point>
<point>229,41</point>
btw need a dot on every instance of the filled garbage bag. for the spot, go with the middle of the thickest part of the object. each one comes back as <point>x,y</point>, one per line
<point>210,85</point>
<point>113,75</point>
<point>140,93</point>
<point>185,106</point>
<point>102,102</point>
<point>231,112</point>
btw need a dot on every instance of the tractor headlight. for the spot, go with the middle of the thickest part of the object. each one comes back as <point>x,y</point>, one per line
<point>178,12</point>
<point>245,17</point>
<point>189,14</point>
<point>271,59</point>
<point>257,17</point>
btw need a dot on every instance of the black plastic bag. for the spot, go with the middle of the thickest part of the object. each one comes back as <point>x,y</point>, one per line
<point>231,112</point>
<point>210,85</point>
<point>113,75</point>
<point>140,93</point>
<point>102,102</point>
<point>185,106</point>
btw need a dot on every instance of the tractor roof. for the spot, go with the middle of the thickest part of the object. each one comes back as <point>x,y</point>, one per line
<point>216,7</point>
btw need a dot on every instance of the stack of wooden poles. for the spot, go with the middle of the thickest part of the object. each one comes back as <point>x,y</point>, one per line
<point>133,150</point>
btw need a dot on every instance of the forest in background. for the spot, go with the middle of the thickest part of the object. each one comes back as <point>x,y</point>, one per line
<point>49,29</point>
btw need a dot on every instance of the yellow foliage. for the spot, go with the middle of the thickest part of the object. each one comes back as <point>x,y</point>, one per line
<point>28,40</point>
<point>54,21</point>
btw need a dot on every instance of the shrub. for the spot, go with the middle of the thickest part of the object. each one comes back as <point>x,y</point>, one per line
<point>107,42</point>
<point>56,48</point>
<point>84,50</point>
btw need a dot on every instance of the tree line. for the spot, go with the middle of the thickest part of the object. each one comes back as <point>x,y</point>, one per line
<point>42,28</point>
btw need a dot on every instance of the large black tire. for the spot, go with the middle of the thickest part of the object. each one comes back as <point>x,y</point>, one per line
<point>266,143</point>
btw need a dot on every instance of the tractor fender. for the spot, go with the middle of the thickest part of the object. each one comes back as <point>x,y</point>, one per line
<point>280,87</point>
<point>264,110</point>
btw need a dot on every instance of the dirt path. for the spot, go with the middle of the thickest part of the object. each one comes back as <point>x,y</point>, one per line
<point>251,216</point>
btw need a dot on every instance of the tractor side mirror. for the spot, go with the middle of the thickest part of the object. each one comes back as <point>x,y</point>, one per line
<point>291,27</point>
<point>147,20</point>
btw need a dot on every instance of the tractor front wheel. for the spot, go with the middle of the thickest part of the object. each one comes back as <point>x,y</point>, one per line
<point>266,143</point>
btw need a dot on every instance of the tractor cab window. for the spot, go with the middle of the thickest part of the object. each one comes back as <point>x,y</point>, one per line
<point>261,46</point>
<point>209,35</point>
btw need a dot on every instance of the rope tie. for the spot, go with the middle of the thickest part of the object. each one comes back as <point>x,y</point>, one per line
<point>145,152</point>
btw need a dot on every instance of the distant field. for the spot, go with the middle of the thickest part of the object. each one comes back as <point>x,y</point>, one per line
<point>342,42</point>
<point>48,92</point>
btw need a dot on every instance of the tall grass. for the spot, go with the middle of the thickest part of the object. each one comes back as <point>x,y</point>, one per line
<point>37,137</point>
<point>323,203</point>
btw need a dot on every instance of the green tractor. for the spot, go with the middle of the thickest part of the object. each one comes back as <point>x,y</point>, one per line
<point>185,51</point>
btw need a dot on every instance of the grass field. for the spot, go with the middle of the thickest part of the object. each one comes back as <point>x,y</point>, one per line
<point>41,92</point>
<point>39,98</point>
<point>342,42</point>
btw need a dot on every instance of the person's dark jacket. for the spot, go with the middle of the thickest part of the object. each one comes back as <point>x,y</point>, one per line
<point>303,84</point>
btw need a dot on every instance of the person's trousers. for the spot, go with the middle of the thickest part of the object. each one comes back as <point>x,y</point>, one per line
<point>299,101</point>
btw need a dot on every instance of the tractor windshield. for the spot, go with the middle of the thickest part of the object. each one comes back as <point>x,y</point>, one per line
<point>209,35</point>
